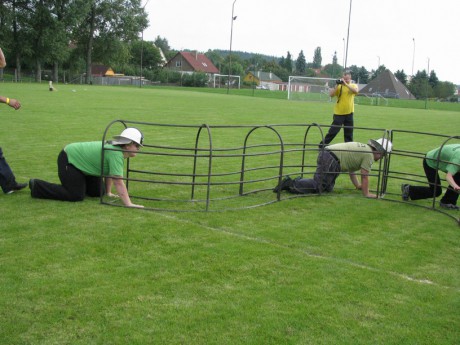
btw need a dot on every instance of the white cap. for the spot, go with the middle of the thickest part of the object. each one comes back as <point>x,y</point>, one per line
<point>128,135</point>
<point>381,145</point>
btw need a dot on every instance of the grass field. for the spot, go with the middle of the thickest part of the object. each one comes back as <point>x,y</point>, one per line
<point>335,269</point>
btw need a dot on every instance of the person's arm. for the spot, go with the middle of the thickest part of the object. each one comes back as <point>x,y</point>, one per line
<point>332,91</point>
<point>108,187</point>
<point>13,103</point>
<point>365,184</point>
<point>352,88</point>
<point>123,192</point>
<point>2,59</point>
<point>354,180</point>
<point>450,179</point>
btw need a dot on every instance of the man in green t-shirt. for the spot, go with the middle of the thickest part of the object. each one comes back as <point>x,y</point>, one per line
<point>80,170</point>
<point>345,91</point>
<point>447,160</point>
<point>332,160</point>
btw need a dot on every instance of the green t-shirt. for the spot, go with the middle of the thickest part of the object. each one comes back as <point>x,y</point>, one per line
<point>87,158</point>
<point>449,159</point>
<point>353,156</point>
<point>346,102</point>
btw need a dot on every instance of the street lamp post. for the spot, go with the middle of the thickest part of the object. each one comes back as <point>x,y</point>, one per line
<point>376,73</point>
<point>413,59</point>
<point>142,47</point>
<point>230,55</point>
<point>426,85</point>
<point>348,37</point>
<point>142,55</point>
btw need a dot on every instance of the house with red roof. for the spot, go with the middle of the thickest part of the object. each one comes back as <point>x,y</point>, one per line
<point>191,62</point>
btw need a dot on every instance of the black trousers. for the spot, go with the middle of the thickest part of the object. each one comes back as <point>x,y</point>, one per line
<point>75,184</point>
<point>434,188</point>
<point>338,122</point>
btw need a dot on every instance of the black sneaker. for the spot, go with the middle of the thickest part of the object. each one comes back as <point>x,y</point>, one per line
<point>405,192</point>
<point>285,184</point>
<point>19,186</point>
<point>449,206</point>
<point>16,187</point>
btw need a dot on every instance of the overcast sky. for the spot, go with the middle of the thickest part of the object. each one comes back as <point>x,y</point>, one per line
<point>384,32</point>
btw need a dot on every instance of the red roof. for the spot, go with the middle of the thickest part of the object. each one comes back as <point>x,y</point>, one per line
<point>199,62</point>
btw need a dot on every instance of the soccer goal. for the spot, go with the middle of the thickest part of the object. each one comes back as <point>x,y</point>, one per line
<point>310,88</point>
<point>222,80</point>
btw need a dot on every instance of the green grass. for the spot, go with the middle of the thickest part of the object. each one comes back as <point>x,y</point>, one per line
<point>335,269</point>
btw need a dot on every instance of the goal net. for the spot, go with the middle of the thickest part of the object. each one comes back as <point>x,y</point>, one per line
<point>310,88</point>
<point>222,81</point>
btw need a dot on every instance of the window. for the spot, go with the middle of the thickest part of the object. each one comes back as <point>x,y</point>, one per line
<point>204,64</point>
<point>178,63</point>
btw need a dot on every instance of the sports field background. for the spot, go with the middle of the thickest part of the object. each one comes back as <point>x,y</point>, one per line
<point>335,269</point>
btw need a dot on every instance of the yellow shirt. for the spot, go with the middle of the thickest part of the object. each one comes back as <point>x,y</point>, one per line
<point>346,101</point>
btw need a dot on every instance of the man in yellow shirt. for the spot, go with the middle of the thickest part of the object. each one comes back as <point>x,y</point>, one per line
<point>345,91</point>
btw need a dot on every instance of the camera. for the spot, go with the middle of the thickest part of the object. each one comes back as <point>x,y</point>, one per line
<point>339,81</point>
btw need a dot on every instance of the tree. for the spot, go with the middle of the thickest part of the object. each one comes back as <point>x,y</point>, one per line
<point>215,58</point>
<point>256,61</point>
<point>363,76</point>
<point>162,43</point>
<point>402,77</point>
<point>66,14</point>
<point>151,57</point>
<point>236,68</point>
<point>317,59</point>
<point>288,62</point>
<point>333,70</point>
<point>433,79</point>
<point>107,23</point>
<point>301,64</point>
<point>419,85</point>
<point>354,70</point>
<point>444,90</point>
<point>15,32</point>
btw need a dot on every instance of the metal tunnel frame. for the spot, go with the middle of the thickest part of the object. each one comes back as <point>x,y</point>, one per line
<point>277,147</point>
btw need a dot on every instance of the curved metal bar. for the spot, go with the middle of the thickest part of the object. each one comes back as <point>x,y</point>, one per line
<point>210,150</point>
<point>382,180</point>
<point>243,159</point>
<point>305,144</point>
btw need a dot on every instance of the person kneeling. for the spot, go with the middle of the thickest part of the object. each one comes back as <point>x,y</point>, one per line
<point>79,169</point>
<point>334,159</point>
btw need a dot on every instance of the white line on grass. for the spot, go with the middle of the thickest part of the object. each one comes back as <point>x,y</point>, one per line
<point>318,256</point>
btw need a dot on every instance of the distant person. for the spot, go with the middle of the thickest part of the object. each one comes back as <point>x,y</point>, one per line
<point>7,178</point>
<point>79,170</point>
<point>345,91</point>
<point>449,163</point>
<point>332,160</point>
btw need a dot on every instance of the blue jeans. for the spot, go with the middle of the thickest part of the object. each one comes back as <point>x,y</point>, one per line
<point>7,179</point>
